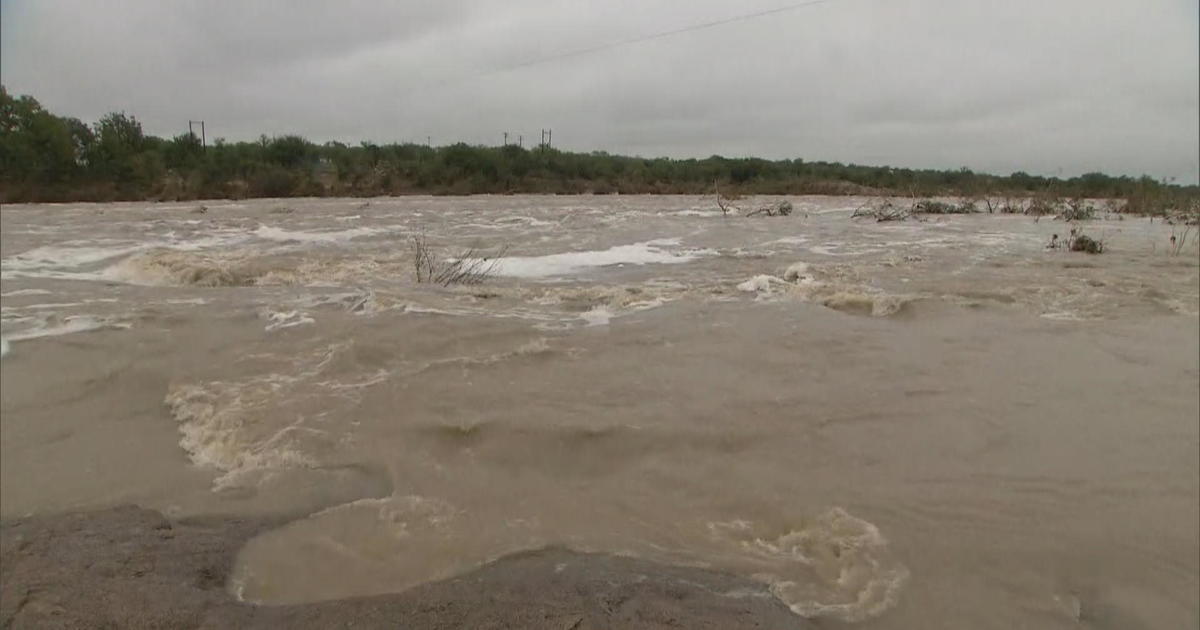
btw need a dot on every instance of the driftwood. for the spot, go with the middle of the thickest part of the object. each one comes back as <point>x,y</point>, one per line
<point>883,210</point>
<point>779,209</point>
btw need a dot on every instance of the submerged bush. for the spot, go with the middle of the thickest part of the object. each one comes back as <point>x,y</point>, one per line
<point>1085,243</point>
<point>929,206</point>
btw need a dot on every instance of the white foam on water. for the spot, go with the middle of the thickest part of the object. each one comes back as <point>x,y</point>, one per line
<point>273,233</point>
<point>287,319</point>
<point>78,263</point>
<point>796,272</point>
<point>836,565</point>
<point>421,309</point>
<point>171,267</point>
<point>69,325</point>
<point>228,425</point>
<point>524,220</point>
<point>788,240</point>
<point>598,316</point>
<point>25,292</point>
<point>52,257</point>
<point>53,305</point>
<point>759,284</point>
<point>3,347</point>
<point>216,422</point>
<point>800,280</point>
<point>843,249</point>
<point>531,348</point>
<point>568,263</point>
<point>1063,316</point>
<point>7,317</point>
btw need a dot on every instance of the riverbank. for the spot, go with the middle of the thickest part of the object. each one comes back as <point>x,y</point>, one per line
<point>129,567</point>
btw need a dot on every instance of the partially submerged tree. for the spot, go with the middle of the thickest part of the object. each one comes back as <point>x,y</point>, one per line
<point>725,206</point>
<point>777,209</point>
<point>1077,209</point>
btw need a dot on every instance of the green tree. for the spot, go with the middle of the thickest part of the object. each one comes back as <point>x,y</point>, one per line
<point>118,139</point>
<point>35,145</point>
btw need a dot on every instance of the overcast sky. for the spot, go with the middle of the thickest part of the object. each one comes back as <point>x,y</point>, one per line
<point>1045,86</point>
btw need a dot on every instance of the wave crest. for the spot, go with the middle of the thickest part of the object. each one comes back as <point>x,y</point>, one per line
<point>836,565</point>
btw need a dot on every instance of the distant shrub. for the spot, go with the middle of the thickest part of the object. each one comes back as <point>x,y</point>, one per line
<point>273,182</point>
<point>44,157</point>
<point>1077,213</point>
<point>1041,206</point>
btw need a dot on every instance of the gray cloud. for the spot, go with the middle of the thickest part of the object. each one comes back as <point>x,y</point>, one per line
<point>1068,86</point>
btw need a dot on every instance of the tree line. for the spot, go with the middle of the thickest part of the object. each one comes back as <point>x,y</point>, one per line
<point>45,157</point>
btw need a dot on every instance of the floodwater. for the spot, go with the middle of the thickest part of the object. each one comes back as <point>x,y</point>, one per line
<point>899,425</point>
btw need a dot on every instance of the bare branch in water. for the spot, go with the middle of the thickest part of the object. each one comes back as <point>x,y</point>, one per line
<point>725,206</point>
<point>469,267</point>
<point>883,210</point>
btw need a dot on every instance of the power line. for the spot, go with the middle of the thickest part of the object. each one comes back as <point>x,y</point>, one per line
<point>645,38</point>
<point>617,44</point>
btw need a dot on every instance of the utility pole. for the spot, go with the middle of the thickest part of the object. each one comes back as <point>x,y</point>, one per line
<point>429,141</point>
<point>505,138</point>
<point>203,141</point>
<point>549,138</point>
<point>520,141</point>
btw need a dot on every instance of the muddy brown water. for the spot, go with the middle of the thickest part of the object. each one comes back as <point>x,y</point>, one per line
<point>898,425</point>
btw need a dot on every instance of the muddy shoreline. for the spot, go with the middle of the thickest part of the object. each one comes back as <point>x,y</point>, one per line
<point>129,567</point>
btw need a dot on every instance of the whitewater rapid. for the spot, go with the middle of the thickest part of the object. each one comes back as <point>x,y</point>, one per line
<point>871,419</point>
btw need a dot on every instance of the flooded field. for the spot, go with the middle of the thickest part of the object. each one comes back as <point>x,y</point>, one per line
<point>898,425</point>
